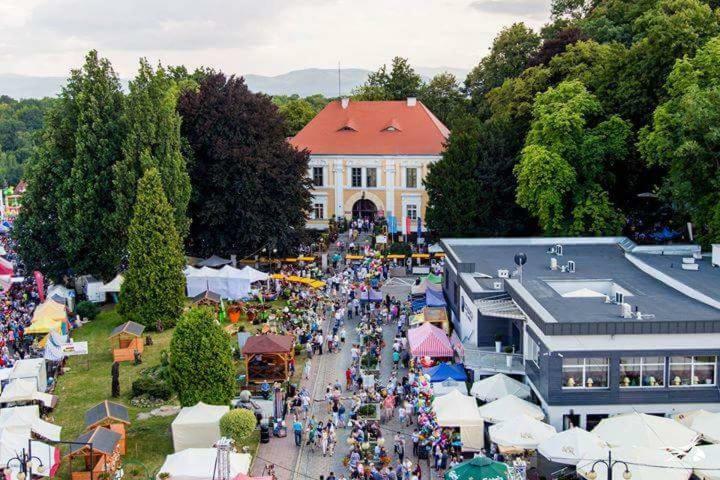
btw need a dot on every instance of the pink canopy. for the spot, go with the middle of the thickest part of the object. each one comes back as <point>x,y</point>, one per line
<point>428,340</point>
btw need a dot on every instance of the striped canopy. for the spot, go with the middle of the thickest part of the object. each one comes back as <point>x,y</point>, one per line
<point>429,341</point>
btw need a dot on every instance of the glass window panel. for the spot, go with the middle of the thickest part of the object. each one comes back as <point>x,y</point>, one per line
<point>704,359</point>
<point>680,373</point>
<point>597,361</point>
<point>704,375</point>
<point>680,360</point>
<point>318,176</point>
<point>630,372</point>
<point>596,376</point>
<point>572,377</point>
<point>371,180</point>
<point>411,177</point>
<point>655,360</point>
<point>569,362</point>
<point>356,177</point>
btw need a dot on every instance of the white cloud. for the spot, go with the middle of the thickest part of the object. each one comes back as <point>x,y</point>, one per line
<point>48,37</point>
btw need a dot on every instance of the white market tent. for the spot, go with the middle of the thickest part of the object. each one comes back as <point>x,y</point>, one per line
<point>521,432</point>
<point>199,464</point>
<point>499,386</point>
<point>572,446</point>
<point>27,417</point>
<point>25,391</point>
<point>456,410</point>
<point>254,275</point>
<point>31,369</point>
<point>642,430</point>
<point>643,463</point>
<point>707,424</point>
<point>197,426</point>
<point>447,386</point>
<point>13,442</point>
<point>113,286</point>
<point>509,407</point>
<point>228,282</point>
<point>705,461</point>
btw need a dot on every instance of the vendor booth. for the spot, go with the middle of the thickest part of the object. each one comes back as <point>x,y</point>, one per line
<point>479,468</point>
<point>434,315</point>
<point>100,452</point>
<point>640,429</point>
<point>129,339</point>
<point>446,371</point>
<point>112,416</point>
<point>49,310</point>
<point>520,433</point>
<point>498,386</point>
<point>572,446</point>
<point>458,410</point>
<point>214,262</point>
<point>447,386</point>
<point>28,418</point>
<point>201,464</point>
<point>228,282</point>
<point>509,407</point>
<point>23,392</point>
<point>267,358</point>
<point>434,298</point>
<point>429,341</point>
<point>197,426</point>
<point>32,369</point>
<point>113,286</point>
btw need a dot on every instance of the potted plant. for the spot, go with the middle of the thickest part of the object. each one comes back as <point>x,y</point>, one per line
<point>498,343</point>
<point>509,358</point>
<point>369,411</point>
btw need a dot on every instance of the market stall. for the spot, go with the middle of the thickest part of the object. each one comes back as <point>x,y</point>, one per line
<point>640,429</point>
<point>479,468</point>
<point>429,341</point>
<point>445,371</point>
<point>498,386</point>
<point>460,411</point>
<point>23,391</point>
<point>112,416</point>
<point>520,433</point>
<point>572,446</point>
<point>128,338</point>
<point>99,449</point>
<point>200,464</point>
<point>197,426</point>
<point>509,407</point>
<point>267,357</point>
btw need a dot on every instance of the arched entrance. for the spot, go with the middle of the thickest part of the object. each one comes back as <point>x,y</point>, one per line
<point>364,209</point>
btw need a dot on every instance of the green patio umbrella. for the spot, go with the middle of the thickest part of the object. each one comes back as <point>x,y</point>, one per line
<point>479,468</point>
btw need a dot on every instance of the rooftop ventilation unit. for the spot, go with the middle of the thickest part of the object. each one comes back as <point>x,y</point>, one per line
<point>571,266</point>
<point>688,260</point>
<point>691,266</point>
<point>503,273</point>
<point>619,298</point>
<point>558,250</point>
<point>625,310</point>
<point>497,285</point>
<point>553,263</point>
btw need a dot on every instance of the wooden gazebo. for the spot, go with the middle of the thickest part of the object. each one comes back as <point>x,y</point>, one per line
<point>129,338</point>
<point>267,357</point>
<point>207,298</point>
<point>100,450</point>
<point>110,415</point>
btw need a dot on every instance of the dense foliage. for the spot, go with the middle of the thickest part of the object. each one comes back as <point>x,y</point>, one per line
<point>238,424</point>
<point>153,293</point>
<point>20,120</point>
<point>201,366</point>
<point>297,112</point>
<point>250,187</point>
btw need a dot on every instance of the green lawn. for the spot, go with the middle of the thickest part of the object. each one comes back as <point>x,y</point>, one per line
<point>149,441</point>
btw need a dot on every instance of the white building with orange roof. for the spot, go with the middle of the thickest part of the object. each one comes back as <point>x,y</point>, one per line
<point>368,159</point>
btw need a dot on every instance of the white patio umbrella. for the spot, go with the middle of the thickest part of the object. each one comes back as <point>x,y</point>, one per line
<point>643,464</point>
<point>703,422</point>
<point>509,407</point>
<point>498,386</point>
<point>705,461</point>
<point>521,432</point>
<point>642,430</point>
<point>572,446</point>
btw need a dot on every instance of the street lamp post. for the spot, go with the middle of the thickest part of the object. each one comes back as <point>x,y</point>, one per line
<point>23,460</point>
<point>609,463</point>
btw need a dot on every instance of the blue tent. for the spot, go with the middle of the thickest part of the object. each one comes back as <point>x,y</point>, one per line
<point>442,372</point>
<point>418,305</point>
<point>434,299</point>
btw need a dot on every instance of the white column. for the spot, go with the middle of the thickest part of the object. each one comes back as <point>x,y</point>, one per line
<point>339,184</point>
<point>390,188</point>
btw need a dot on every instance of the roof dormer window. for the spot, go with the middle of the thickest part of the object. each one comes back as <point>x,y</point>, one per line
<point>392,126</point>
<point>348,126</point>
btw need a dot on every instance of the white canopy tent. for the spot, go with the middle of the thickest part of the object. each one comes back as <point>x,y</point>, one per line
<point>25,391</point>
<point>456,410</point>
<point>199,464</point>
<point>31,369</point>
<point>12,443</point>
<point>521,432</point>
<point>509,407</point>
<point>254,275</point>
<point>707,424</point>
<point>572,446</point>
<point>642,430</point>
<point>705,461</point>
<point>197,426</point>
<point>499,386</point>
<point>447,386</point>
<point>28,417</point>
<point>228,282</point>
<point>114,285</point>
<point>643,463</point>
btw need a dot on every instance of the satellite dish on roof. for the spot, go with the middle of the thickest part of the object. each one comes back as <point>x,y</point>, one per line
<point>520,259</point>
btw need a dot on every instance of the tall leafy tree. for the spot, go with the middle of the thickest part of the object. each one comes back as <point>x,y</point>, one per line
<point>249,185</point>
<point>564,170</point>
<point>201,367</point>
<point>152,141</point>
<point>87,207</point>
<point>154,287</point>
<point>683,139</point>
<point>297,113</point>
<point>442,96</point>
<point>397,84</point>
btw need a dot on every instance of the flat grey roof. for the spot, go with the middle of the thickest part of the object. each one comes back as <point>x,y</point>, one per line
<point>603,260</point>
<point>706,279</point>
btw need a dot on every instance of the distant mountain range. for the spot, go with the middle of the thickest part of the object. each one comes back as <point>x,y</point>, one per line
<point>304,82</point>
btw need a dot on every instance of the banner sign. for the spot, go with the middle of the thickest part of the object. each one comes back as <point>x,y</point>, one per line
<point>74,348</point>
<point>40,281</point>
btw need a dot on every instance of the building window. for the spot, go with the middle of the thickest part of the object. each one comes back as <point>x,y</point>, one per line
<point>371,177</point>
<point>412,211</point>
<point>356,177</point>
<point>532,350</point>
<point>585,372</point>
<point>318,211</point>
<point>687,371</point>
<point>411,178</point>
<point>318,177</point>
<point>642,372</point>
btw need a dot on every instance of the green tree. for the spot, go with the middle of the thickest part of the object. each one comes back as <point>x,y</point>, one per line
<point>509,55</point>
<point>250,186</point>
<point>238,424</point>
<point>153,293</point>
<point>152,141</point>
<point>442,96</point>
<point>297,113</point>
<point>683,139</point>
<point>201,367</point>
<point>398,84</point>
<point>87,207</point>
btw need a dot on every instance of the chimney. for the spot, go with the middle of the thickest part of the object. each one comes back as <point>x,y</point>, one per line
<point>345,101</point>
<point>411,101</point>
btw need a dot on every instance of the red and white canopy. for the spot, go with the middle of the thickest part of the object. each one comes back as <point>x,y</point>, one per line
<point>429,341</point>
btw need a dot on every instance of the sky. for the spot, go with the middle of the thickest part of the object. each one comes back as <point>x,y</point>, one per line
<point>268,37</point>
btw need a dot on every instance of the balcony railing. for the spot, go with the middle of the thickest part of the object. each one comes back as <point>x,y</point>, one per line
<point>491,361</point>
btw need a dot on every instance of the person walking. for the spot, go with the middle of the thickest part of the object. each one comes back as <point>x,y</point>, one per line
<point>298,430</point>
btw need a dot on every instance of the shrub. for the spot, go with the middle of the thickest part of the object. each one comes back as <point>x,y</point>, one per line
<point>151,387</point>
<point>87,310</point>
<point>238,424</point>
<point>400,248</point>
<point>367,410</point>
<point>369,361</point>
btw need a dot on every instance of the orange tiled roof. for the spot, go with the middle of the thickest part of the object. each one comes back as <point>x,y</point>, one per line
<point>363,129</point>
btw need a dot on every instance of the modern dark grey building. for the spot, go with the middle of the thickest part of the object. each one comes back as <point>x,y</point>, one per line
<point>598,326</point>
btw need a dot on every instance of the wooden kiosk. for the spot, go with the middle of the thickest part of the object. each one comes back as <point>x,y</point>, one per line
<point>267,358</point>
<point>207,298</point>
<point>99,448</point>
<point>129,338</point>
<point>110,415</point>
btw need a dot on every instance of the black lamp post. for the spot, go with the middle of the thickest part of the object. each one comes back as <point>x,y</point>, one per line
<point>609,463</point>
<point>23,460</point>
